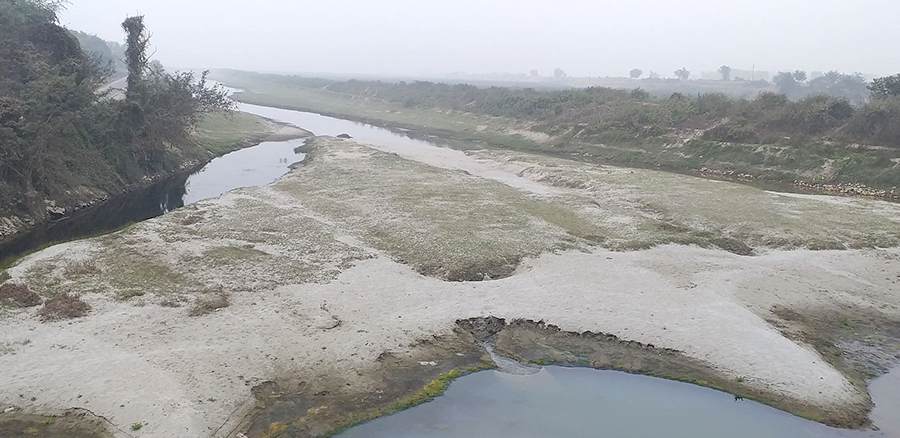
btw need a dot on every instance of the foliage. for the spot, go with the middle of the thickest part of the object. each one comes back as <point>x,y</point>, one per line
<point>725,71</point>
<point>559,74</point>
<point>606,115</point>
<point>635,73</point>
<point>786,82</point>
<point>799,75</point>
<point>58,131</point>
<point>683,74</point>
<point>888,86</point>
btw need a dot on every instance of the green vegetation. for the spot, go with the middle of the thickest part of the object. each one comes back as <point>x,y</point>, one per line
<point>846,324</point>
<point>136,426</point>
<point>59,133</point>
<point>771,137</point>
<point>429,391</point>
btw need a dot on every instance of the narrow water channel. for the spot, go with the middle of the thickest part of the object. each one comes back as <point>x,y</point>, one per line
<point>582,402</point>
<point>253,166</point>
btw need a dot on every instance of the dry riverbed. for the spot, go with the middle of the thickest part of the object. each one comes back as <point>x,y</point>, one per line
<point>347,289</point>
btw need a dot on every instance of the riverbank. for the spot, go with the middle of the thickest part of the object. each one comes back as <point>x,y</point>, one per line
<point>350,274</point>
<point>807,164</point>
<point>217,135</point>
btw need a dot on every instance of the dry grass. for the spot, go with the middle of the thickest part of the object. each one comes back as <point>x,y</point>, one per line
<point>18,295</point>
<point>64,306</point>
<point>81,268</point>
<point>209,303</point>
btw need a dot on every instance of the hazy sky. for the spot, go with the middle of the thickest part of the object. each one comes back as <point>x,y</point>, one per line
<point>427,37</point>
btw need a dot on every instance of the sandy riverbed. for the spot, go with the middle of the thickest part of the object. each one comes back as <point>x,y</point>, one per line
<point>347,257</point>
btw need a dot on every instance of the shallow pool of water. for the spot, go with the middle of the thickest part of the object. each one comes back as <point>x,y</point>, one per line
<point>583,402</point>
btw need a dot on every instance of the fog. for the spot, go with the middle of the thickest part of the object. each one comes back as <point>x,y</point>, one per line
<point>428,38</point>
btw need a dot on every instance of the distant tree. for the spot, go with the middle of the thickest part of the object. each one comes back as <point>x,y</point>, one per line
<point>786,83</point>
<point>683,74</point>
<point>654,75</point>
<point>815,75</point>
<point>852,87</point>
<point>635,73</point>
<point>534,73</point>
<point>559,74</point>
<point>887,86</point>
<point>799,75</point>
<point>725,71</point>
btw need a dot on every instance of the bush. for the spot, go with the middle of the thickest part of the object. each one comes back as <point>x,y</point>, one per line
<point>877,122</point>
<point>18,295</point>
<point>64,306</point>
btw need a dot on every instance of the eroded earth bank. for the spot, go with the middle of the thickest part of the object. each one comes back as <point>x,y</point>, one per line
<point>367,277</point>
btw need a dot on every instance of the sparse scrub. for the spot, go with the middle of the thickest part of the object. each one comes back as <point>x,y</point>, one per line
<point>64,306</point>
<point>136,426</point>
<point>18,295</point>
<point>625,127</point>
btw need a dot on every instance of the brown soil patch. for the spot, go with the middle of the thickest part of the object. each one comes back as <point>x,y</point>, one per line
<point>64,306</point>
<point>17,295</point>
<point>76,423</point>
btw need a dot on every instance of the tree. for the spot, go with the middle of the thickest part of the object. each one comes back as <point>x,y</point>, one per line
<point>683,74</point>
<point>799,75</point>
<point>853,87</point>
<point>786,83</point>
<point>885,87</point>
<point>534,73</point>
<point>559,74</point>
<point>725,71</point>
<point>635,73</point>
<point>136,42</point>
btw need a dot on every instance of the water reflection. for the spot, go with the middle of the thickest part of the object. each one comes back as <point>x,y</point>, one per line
<point>581,402</point>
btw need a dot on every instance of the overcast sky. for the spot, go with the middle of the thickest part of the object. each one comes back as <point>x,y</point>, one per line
<point>431,37</point>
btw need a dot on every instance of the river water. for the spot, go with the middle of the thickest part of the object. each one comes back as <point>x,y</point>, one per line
<point>582,402</point>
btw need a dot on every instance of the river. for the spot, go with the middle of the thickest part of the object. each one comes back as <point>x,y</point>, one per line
<point>555,401</point>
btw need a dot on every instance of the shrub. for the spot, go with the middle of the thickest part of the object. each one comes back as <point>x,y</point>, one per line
<point>18,295</point>
<point>64,306</point>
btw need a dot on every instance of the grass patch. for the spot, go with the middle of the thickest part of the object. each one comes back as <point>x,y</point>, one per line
<point>846,324</point>
<point>136,426</point>
<point>275,429</point>
<point>63,306</point>
<point>18,295</point>
<point>428,392</point>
